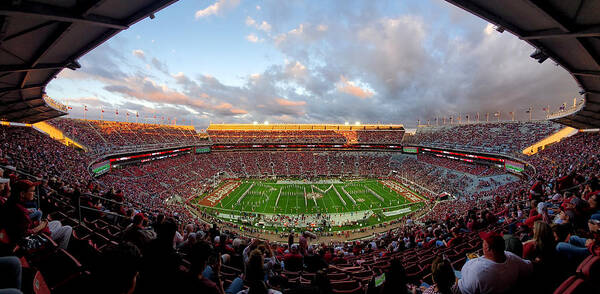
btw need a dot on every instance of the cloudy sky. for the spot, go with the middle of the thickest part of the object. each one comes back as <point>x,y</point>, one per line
<point>237,61</point>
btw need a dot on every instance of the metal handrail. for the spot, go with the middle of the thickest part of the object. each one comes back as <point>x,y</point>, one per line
<point>79,207</point>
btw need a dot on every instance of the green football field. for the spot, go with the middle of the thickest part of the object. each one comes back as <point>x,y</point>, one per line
<point>297,197</point>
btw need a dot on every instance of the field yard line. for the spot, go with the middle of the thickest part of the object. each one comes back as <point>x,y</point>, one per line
<point>230,201</point>
<point>332,203</point>
<point>287,200</point>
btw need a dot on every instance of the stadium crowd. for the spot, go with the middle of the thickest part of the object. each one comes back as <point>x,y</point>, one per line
<point>111,136</point>
<point>501,137</point>
<point>305,136</point>
<point>526,236</point>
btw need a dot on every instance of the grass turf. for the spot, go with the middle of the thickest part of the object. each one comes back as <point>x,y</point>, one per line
<point>262,197</point>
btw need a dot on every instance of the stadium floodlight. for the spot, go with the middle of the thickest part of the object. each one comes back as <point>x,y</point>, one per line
<point>357,123</point>
<point>346,123</point>
<point>500,29</point>
<point>266,122</point>
<point>255,123</point>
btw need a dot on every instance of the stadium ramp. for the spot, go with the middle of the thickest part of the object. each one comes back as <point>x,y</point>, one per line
<point>553,138</point>
<point>57,134</point>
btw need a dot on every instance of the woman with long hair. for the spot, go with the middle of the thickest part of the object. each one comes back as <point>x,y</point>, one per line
<point>443,277</point>
<point>543,244</point>
<point>549,267</point>
<point>255,275</point>
<point>395,279</point>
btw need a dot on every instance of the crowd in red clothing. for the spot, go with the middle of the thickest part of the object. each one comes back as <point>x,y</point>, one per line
<point>111,136</point>
<point>500,137</point>
<point>305,136</point>
<point>552,222</point>
<point>470,168</point>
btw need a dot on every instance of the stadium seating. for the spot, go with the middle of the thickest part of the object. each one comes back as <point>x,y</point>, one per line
<point>450,228</point>
<point>111,136</point>
<point>501,137</point>
<point>305,137</point>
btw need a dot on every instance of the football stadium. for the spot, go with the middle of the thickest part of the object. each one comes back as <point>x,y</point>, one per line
<point>130,163</point>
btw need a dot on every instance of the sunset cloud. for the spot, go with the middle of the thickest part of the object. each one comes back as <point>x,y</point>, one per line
<point>285,102</point>
<point>351,88</point>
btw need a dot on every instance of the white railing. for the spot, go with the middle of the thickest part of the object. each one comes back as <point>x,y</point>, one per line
<point>54,104</point>
<point>567,111</point>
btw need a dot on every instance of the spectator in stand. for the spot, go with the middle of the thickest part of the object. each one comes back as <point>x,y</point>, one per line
<point>497,271</point>
<point>194,281</point>
<point>303,241</point>
<point>537,190</point>
<point>136,233</point>
<point>511,242</point>
<point>541,247</point>
<point>312,261</point>
<point>443,277</point>
<point>4,189</point>
<point>14,217</point>
<point>565,216</point>
<point>578,248</point>
<point>160,262</point>
<point>291,239</point>
<point>550,268</point>
<point>395,280</point>
<point>255,275</point>
<point>293,260</point>
<point>10,275</point>
<point>118,270</point>
<point>593,205</point>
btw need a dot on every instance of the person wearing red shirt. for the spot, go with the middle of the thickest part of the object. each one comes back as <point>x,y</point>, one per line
<point>16,224</point>
<point>537,190</point>
<point>293,260</point>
